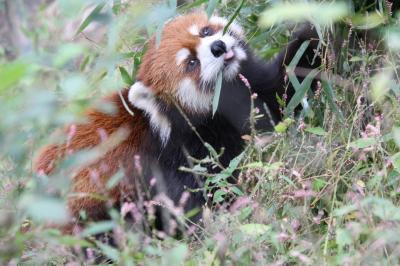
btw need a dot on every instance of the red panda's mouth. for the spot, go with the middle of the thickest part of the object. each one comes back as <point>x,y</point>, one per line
<point>228,56</point>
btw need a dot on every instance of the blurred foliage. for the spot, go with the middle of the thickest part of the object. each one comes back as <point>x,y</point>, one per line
<point>323,188</point>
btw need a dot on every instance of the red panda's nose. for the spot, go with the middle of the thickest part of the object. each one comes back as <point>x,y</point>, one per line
<point>218,48</point>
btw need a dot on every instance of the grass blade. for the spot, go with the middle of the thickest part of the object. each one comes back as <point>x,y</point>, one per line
<point>330,97</point>
<point>217,93</point>
<point>301,92</point>
<point>234,16</point>
<point>299,54</point>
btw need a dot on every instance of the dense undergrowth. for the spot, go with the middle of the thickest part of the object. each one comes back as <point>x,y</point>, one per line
<point>322,189</point>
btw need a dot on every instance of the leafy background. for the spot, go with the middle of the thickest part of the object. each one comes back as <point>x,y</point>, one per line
<point>322,189</point>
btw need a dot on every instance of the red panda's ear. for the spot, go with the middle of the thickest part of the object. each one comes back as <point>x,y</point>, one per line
<point>143,98</point>
<point>139,92</point>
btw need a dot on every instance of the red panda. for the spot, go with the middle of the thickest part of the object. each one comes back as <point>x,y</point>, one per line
<point>175,84</point>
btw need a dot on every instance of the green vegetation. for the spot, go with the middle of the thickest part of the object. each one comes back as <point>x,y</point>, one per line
<point>323,189</point>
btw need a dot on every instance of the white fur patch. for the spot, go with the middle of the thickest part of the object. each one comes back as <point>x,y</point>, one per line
<point>143,98</point>
<point>240,53</point>
<point>234,27</point>
<point>211,65</point>
<point>232,69</point>
<point>193,98</point>
<point>181,55</point>
<point>194,30</point>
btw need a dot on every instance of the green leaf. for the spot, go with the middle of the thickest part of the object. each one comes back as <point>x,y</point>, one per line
<point>71,241</point>
<point>219,196</point>
<point>125,76</point>
<point>330,97</point>
<point>255,229</point>
<point>396,161</point>
<point>97,228</point>
<point>363,143</point>
<point>95,12</point>
<point>211,150</point>
<point>282,126</point>
<point>109,251</point>
<point>321,13</point>
<point>227,172</point>
<point>236,190</point>
<point>368,21</point>
<point>316,131</point>
<point>116,8</point>
<point>299,54</point>
<point>66,53</point>
<point>172,3</point>
<point>11,74</point>
<point>318,184</point>
<point>159,31</point>
<point>233,16</point>
<point>176,255</point>
<point>301,92</point>
<point>212,4</point>
<point>45,209</point>
<point>343,237</point>
<point>114,180</point>
<point>217,93</point>
<point>395,136</point>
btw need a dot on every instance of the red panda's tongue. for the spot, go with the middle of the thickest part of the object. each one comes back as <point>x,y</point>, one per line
<point>228,55</point>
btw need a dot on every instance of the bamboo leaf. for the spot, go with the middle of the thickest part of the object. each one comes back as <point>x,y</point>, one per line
<point>125,76</point>
<point>217,93</point>
<point>11,74</point>
<point>330,96</point>
<point>301,92</point>
<point>322,13</point>
<point>96,11</point>
<point>172,3</point>
<point>316,131</point>
<point>212,4</point>
<point>116,8</point>
<point>233,16</point>
<point>299,54</point>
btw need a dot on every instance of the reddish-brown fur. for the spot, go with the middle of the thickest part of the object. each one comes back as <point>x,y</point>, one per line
<point>123,136</point>
<point>158,72</point>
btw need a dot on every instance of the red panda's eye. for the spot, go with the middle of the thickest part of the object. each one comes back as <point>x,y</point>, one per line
<point>192,64</point>
<point>206,31</point>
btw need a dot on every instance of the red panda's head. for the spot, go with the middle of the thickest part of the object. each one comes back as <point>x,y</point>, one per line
<point>185,64</point>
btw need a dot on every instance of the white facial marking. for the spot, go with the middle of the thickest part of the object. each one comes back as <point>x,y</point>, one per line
<point>194,30</point>
<point>181,55</point>
<point>240,53</point>
<point>143,98</point>
<point>192,98</point>
<point>234,27</point>
<point>210,65</point>
<point>232,69</point>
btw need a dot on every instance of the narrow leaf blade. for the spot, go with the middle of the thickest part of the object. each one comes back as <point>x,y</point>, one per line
<point>90,17</point>
<point>217,93</point>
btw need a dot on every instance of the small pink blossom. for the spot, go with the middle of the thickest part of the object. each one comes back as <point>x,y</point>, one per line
<point>239,203</point>
<point>153,181</point>
<point>71,134</point>
<point>245,81</point>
